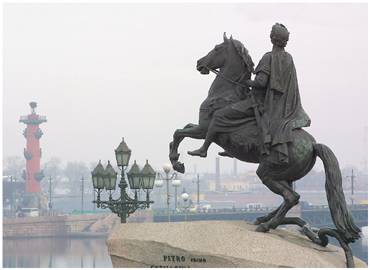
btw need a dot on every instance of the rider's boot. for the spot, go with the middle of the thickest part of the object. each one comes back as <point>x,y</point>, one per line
<point>225,154</point>
<point>201,152</point>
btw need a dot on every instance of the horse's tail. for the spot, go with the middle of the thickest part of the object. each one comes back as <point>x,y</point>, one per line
<point>342,218</point>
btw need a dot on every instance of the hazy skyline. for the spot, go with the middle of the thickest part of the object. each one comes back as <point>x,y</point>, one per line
<point>100,72</point>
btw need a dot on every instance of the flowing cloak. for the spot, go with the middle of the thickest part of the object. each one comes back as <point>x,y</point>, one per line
<point>283,111</point>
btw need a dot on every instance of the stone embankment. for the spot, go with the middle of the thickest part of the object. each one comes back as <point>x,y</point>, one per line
<point>54,226</point>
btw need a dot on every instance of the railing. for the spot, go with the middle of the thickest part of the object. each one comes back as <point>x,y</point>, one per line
<point>180,211</point>
<point>322,207</point>
<point>316,216</point>
<point>190,210</point>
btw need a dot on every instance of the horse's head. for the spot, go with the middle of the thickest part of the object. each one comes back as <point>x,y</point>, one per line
<point>230,52</point>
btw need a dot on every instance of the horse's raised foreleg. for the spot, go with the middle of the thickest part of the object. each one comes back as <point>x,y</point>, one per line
<point>177,139</point>
<point>291,198</point>
<point>191,131</point>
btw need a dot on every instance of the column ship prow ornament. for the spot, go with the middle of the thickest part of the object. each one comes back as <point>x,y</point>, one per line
<point>261,121</point>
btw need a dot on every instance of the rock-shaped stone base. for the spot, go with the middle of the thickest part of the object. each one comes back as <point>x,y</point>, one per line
<point>216,244</point>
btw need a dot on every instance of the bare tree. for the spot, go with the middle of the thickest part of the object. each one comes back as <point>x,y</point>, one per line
<point>52,168</point>
<point>14,166</point>
<point>74,171</point>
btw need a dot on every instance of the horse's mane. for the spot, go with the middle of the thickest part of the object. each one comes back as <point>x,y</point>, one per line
<point>243,52</point>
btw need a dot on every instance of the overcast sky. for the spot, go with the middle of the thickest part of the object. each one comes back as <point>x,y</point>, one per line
<point>102,71</point>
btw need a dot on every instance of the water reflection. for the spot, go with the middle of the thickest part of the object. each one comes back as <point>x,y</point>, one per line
<point>56,252</point>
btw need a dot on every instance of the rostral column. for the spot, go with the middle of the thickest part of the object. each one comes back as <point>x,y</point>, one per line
<point>33,175</point>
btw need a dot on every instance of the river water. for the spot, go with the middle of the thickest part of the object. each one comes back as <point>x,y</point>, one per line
<point>79,253</point>
<point>56,252</point>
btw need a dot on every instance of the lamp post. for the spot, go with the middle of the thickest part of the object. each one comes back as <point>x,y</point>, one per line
<point>167,177</point>
<point>82,194</point>
<point>197,190</point>
<point>94,206</point>
<point>158,183</point>
<point>50,199</point>
<point>12,205</point>
<point>176,183</point>
<point>185,197</point>
<point>138,179</point>
<point>352,176</point>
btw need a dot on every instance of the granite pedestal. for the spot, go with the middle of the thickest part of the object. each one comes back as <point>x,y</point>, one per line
<point>216,244</point>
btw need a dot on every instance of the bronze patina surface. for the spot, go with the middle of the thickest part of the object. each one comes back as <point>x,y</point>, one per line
<point>261,120</point>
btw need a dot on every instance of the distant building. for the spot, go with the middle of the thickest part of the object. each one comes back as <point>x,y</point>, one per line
<point>235,185</point>
<point>243,183</point>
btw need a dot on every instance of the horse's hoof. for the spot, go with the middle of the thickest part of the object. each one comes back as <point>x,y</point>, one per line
<point>258,221</point>
<point>179,167</point>
<point>262,228</point>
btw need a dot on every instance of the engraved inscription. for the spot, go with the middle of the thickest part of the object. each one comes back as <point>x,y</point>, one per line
<point>178,259</point>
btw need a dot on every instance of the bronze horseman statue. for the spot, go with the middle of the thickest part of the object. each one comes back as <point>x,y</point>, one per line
<point>261,120</point>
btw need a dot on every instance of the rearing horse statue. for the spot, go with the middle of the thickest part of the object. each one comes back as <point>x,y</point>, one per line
<point>235,64</point>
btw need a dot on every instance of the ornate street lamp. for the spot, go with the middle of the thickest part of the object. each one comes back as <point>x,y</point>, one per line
<point>98,180</point>
<point>167,177</point>
<point>134,178</point>
<point>110,178</point>
<point>185,197</point>
<point>124,205</point>
<point>148,176</point>
<point>176,183</point>
<point>123,154</point>
<point>158,183</point>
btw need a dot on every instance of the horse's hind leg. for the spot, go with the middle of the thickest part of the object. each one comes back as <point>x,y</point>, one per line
<point>267,217</point>
<point>270,215</point>
<point>291,198</point>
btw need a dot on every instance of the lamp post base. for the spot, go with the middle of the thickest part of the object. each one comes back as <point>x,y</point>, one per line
<point>123,219</point>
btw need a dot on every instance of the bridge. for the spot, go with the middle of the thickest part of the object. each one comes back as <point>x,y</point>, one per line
<point>317,216</point>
